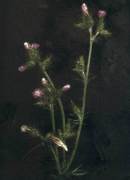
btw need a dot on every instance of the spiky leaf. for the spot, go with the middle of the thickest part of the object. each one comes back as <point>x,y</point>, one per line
<point>80,67</point>
<point>105,33</point>
<point>34,55</point>
<point>46,63</point>
<point>78,172</point>
<point>68,133</point>
<point>77,111</point>
<point>87,22</point>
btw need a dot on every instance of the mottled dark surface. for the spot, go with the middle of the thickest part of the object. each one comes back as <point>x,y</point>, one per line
<point>106,133</point>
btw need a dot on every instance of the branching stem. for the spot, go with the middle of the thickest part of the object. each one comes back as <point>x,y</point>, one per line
<point>83,102</point>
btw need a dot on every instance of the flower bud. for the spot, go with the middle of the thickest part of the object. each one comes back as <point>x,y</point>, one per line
<point>31,46</point>
<point>31,131</point>
<point>84,9</point>
<point>37,93</point>
<point>44,81</point>
<point>22,68</point>
<point>66,87</point>
<point>26,45</point>
<point>24,128</point>
<point>102,13</point>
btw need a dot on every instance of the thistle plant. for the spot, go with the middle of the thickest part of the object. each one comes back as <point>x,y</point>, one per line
<point>50,97</point>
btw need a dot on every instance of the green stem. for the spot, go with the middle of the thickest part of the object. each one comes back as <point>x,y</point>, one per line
<point>58,100</point>
<point>48,78</point>
<point>83,102</point>
<point>87,74</point>
<point>56,160</point>
<point>55,152</point>
<point>62,113</point>
<point>53,117</point>
<point>63,127</point>
<point>61,110</point>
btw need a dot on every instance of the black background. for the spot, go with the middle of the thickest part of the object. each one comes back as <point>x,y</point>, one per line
<point>105,143</point>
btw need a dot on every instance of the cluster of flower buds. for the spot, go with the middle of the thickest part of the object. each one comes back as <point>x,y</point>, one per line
<point>31,63</point>
<point>88,21</point>
<point>31,46</point>
<point>37,93</point>
<point>84,8</point>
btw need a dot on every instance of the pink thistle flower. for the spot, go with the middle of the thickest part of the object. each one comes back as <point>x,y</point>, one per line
<point>66,87</point>
<point>22,68</point>
<point>102,13</point>
<point>37,93</point>
<point>35,46</point>
<point>84,9</point>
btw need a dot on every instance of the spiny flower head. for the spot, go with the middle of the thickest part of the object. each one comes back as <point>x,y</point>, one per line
<point>37,93</point>
<point>102,13</point>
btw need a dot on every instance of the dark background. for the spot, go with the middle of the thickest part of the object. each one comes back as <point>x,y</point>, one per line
<point>105,143</point>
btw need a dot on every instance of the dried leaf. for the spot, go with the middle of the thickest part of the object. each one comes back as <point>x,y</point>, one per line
<point>57,141</point>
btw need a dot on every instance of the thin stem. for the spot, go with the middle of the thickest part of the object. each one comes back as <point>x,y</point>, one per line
<point>87,75</point>
<point>55,152</point>
<point>49,79</point>
<point>56,160</point>
<point>94,37</point>
<point>58,100</point>
<point>34,148</point>
<point>62,114</point>
<point>83,102</point>
<point>53,117</point>
<point>63,126</point>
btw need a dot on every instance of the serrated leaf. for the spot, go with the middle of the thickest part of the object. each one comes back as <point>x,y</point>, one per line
<point>46,63</point>
<point>80,67</point>
<point>39,103</point>
<point>80,25</point>
<point>34,55</point>
<point>86,23</point>
<point>68,130</point>
<point>79,172</point>
<point>105,33</point>
<point>31,64</point>
<point>68,133</point>
<point>77,111</point>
